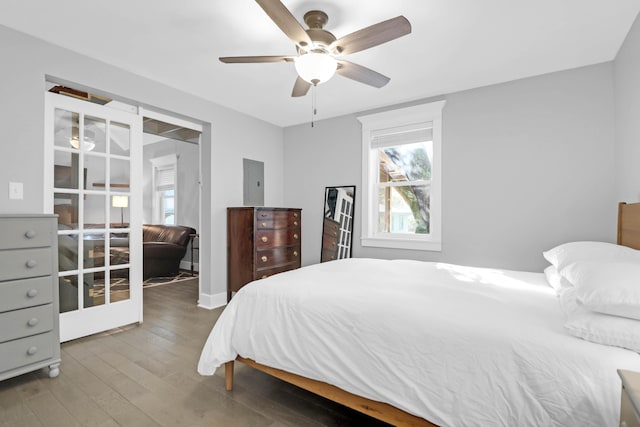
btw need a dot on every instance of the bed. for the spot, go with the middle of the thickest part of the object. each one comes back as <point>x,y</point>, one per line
<point>421,343</point>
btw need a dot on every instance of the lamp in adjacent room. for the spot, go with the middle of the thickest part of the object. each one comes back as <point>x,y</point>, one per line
<point>120,202</point>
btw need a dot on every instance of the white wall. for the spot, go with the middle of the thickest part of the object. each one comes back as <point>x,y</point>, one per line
<point>627,109</point>
<point>526,165</point>
<point>228,136</point>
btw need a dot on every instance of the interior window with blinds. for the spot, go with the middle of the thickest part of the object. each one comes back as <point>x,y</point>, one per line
<point>404,158</point>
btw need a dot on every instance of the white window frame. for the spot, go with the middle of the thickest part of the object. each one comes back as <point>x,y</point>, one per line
<point>373,123</point>
<point>164,162</point>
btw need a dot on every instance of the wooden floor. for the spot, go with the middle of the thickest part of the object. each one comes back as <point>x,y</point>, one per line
<point>145,375</point>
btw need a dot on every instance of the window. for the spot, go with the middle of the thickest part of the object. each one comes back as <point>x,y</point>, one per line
<point>164,189</point>
<point>401,178</point>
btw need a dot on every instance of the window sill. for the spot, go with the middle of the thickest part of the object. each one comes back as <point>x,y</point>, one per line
<point>400,243</point>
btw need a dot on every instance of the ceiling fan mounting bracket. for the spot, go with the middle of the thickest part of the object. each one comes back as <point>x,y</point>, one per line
<point>316,19</point>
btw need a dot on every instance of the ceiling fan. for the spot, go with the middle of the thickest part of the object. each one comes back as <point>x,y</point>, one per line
<point>319,52</point>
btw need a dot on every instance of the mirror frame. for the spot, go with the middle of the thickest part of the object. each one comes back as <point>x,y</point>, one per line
<point>333,231</point>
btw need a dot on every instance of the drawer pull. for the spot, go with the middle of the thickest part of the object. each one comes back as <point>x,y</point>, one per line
<point>33,321</point>
<point>295,253</point>
<point>30,234</point>
<point>31,263</point>
<point>32,350</point>
<point>264,224</point>
<point>295,215</point>
<point>264,239</point>
<point>32,293</point>
<point>295,236</point>
<point>295,223</point>
<point>264,258</point>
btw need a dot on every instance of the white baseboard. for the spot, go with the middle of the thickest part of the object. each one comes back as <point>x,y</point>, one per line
<point>212,301</point>
<point>186,265</point>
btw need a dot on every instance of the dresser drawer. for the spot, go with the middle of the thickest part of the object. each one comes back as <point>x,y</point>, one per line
<point>25,293</point>
<point>25,322</point>
<point>263,274</point>
<point>278,256</point>
<point>23,263</point>
<point>266,239</point>
<point>25,351</point>
<point>269,219</point>
<point>331,227</point>
<point>25,233</point>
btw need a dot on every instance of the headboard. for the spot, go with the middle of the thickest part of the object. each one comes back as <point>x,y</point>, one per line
<point>629,224</point>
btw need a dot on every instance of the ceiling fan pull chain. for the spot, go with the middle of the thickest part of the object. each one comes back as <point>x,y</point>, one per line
<point>314,111</point>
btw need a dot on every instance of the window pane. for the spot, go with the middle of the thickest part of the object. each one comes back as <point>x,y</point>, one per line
<point>67,252</point>
<point>167,206</point>
<point>95,137</point>
<point>120,139</point>
<point>407,162</point>
<point>119,285</point>
<point>68,292</point>
<point>403,209</point>
<point>66,128</point>
<point>120,175</point>
<point>66,207</point>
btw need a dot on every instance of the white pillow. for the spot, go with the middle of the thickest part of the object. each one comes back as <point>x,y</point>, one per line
<point>555,280</point>
<point>607,286</point>
<point>597,327</point>
<point>568,253</point>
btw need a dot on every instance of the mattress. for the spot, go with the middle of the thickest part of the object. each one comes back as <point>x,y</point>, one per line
<point>456,345</point>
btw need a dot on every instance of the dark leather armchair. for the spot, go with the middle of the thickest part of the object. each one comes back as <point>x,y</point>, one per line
<point>164,246</point>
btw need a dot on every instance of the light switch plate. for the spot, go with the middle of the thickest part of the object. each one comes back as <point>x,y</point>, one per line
<point>16,191</point>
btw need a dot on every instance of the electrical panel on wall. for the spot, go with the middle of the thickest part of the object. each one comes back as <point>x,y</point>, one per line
<point>253,194</point>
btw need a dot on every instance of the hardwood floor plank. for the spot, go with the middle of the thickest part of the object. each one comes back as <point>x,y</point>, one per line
<point>47,407</point>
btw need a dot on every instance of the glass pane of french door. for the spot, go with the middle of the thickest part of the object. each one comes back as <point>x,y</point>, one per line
<point>95,194</point>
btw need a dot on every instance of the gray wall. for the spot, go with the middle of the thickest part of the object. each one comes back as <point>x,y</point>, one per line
<point>188,171</point>
<point>228,137</point>
<point>627,109</point>
<point>526,165</point>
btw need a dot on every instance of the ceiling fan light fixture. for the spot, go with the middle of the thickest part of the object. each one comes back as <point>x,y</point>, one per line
<point>316,68</point>
<point>87,144</point>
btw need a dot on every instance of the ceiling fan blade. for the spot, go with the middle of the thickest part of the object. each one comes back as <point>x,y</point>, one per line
<point>286,22</point>
<point>301,87</point>
<point>374,35</point>
<point>254,59</point>
<point>361,74</point>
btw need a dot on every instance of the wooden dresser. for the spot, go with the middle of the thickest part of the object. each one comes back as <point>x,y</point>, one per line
<point>261,242</point>
<point>29,331</point>
<point>330,233</point>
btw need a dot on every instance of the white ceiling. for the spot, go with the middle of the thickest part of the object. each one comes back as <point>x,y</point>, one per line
<point>454,45</point>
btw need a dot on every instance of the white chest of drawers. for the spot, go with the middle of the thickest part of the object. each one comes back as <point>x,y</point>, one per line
<point>29,331</point>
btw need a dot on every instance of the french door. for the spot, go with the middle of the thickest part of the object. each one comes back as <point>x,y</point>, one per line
<point>93,171</point>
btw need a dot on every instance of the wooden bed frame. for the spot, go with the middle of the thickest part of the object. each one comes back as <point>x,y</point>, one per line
<point>628,235</point>
<point>378,410</point>
<point>629,225</point>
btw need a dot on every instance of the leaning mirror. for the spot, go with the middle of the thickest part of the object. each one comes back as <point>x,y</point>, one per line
<point>337,229</point>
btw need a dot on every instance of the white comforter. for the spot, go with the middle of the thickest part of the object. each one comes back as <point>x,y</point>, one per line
<point>458,346</point>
